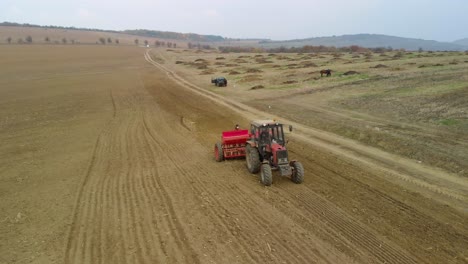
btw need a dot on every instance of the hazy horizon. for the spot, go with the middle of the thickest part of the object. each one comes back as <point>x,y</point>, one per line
<point>431,20</point>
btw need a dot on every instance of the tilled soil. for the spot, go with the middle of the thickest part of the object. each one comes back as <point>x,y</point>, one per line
<point>147,190</point>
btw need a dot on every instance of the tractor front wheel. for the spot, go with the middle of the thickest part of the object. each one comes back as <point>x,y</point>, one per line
<point>298,172</point>
<point>218,152</point>
<point>252,158</point>
<point>266,176</point>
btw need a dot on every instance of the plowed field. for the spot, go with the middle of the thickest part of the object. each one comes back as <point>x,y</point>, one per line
<point>106,157</point>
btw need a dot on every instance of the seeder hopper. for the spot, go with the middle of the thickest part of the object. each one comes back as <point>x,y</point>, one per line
<point>232,144</point>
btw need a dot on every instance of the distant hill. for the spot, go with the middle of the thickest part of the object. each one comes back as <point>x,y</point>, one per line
<point>368,41</point>
<point>463,42</point>
<point>91,35</point>
<point>137,32</point>
<point>174,35</point>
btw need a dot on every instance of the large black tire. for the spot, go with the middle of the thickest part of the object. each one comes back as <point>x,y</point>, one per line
<point>298,172</point>
<point>253,159</point>
<point>266,176</point>
<point>218,152</point>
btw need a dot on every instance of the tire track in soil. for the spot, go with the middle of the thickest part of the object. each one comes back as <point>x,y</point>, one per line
<point>111,187</point>
<point>157,147</point>
<point>358,236</point>
<point>343,225</point>
<point>174,225</point>
<point>353,233</point>
<point>409,214</point>
<point>72,248</point>
<point>230,203</point>
<point>167,225</point>
<point>158,188</point>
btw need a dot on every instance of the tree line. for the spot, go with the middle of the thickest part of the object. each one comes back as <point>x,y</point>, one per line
<point>198,46</point>
<point>29,40</point>
<point>102,40</point>
<point>157,43</point>
<point>303,49</point>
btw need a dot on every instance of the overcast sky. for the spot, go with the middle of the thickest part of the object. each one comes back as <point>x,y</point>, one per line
<point>443,20</point>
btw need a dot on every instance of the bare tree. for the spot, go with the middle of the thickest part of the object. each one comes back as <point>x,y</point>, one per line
<point>102,41</point>
<point>9,40</point>
<point>146,42</point>
<point>109,40</point>
<point>29,39</point>
<point>117,41</point>
<point>174,45</point>
<point>64,41</point>
<point>354,48</point>
<point>47,39</point>
<point>137,41</point>
<point>72,41</point>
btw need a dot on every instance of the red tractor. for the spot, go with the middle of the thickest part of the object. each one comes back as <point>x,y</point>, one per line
<point>264,148</point>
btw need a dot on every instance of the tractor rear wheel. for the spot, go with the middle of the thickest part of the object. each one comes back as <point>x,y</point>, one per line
<point>252,158</point>
<point>218,152</point>
<point>266,176</point>
<point>298,172</point>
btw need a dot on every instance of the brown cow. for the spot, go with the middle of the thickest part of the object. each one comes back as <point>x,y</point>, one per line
<point>327,72</point>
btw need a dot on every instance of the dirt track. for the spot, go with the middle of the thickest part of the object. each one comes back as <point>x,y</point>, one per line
<point>150,192</point>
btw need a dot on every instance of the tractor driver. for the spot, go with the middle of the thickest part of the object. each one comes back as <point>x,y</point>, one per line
<point>264,136</point>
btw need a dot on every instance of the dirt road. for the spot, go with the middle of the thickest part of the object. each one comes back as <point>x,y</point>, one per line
<point>149,191</point>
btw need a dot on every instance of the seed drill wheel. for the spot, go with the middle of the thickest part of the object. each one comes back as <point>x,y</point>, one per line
<point>252,158</point>
<point>218,152</point>
<point>266,176</point>
<point>298,172</point>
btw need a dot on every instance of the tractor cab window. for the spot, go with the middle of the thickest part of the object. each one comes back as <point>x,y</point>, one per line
<point>277,134</point>
<point>264,135</point>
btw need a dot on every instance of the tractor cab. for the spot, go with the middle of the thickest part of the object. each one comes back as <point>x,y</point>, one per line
<point>268,137</point>
<point>267,132</point>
